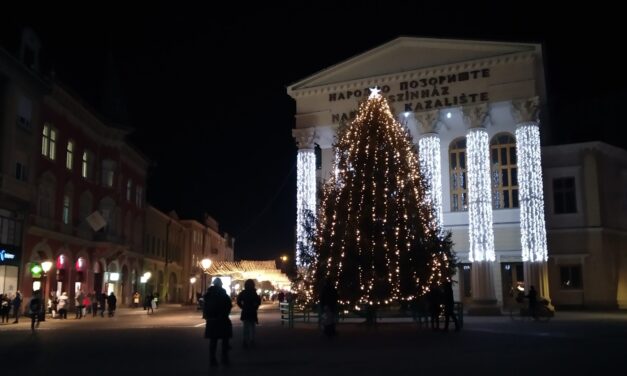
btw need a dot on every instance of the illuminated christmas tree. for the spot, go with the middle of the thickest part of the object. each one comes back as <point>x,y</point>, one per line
<point>377,237</point>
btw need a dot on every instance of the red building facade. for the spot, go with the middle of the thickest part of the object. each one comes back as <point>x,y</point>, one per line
<point>88,211</point>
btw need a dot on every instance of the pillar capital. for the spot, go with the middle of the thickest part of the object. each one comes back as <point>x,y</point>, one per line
<point>429,121</point>
<point>305,138</point>
<point>526,110</point>
<point>475,115</point>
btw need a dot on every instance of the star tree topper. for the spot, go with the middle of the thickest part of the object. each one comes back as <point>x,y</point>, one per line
<point>374,92</point>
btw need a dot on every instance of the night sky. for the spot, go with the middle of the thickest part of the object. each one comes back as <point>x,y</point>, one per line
<point>204,86</point>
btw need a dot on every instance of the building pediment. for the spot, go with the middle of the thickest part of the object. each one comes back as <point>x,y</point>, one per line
<point>407,54</point>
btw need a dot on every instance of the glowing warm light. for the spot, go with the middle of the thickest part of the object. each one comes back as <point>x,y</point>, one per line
<point>205,263</point>
<point>479,197</point>
<point>429,155</point>
<point>147,275</point>
<point>114,277</point>
<point>305,198</point>
<point>192,280</point>
<point>532,225</point>
<point>46,266</point>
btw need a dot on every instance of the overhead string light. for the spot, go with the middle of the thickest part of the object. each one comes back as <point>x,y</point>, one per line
<point>532,225</point>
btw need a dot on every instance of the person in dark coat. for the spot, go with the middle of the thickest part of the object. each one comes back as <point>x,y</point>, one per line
<point>434,300</point>
<point>17,305</point>
<point>329,308</point>
<point>533,302</point>
<point>216,310</point>
<point>111,303</point>
<point>102,303</point>
<point>35,307</point>
<point>449,306</point>
<point>249,302</point>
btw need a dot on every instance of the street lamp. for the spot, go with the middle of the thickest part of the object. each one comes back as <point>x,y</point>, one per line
<point>206,264</point>
<point>143,279</point>
<point>192,280</point>
<point>45,266</point>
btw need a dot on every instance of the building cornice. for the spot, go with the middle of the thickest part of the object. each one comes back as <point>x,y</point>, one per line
<point>414,74</point>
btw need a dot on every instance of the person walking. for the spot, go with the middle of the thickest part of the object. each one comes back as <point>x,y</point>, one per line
<point>93,299</point>
<point>35,310</point>
<point>102,303</point>
<point>248,301</point>
<point>328,308</point>
<point>216,310</point>
<point>449,306</point>
<point>62,305</point>
<point>434,300</point>
<point>78,304</point>
<point>17,305</point>
<point>533,302</point>
<point>111,303</point>
<point>148,304</point>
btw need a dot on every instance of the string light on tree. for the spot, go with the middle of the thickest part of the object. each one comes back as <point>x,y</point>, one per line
<point>378,237</point>
<point>305,199</point>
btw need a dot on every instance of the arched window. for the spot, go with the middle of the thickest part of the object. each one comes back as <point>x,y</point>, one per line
<point>457,172</point>
<point>504,171</point>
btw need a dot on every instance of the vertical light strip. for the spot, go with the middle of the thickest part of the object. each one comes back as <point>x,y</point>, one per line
<point>532,226</point>
<point>305,198</point>
<point>479,197</point>
<point>429,155</point>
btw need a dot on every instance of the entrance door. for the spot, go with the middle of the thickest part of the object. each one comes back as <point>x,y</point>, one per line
<point>513,280</point>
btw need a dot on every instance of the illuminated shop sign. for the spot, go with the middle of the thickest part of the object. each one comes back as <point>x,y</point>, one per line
<point>5,255</point>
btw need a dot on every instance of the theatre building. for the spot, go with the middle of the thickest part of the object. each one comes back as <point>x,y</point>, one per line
<point>521,210</point>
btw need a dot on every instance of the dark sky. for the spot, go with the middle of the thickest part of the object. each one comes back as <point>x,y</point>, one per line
<point>205,86</point>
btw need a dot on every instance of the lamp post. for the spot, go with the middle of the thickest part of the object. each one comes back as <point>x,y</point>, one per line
<point>143,279</point>
<point>206,264</point>
<point>45,266</point>
<point>192,280</point>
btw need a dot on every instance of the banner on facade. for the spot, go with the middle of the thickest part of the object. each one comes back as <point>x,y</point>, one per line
<point>96,221</point>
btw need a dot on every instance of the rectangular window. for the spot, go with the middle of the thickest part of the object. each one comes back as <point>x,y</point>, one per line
<point>25,113</point>
<point>139,196</point>
<point>570,277</point>
<point>88,165</point>
<point>129,189</point>
<point>564,196</point>
<point>48,142</point>
<point>69,155</point>
<point>21,172</point>
<point>10,230</point>
<point>66,210</point>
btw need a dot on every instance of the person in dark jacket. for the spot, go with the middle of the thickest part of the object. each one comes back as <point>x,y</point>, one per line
<point>111,303</point>
<point>216,310</point>
<point>249,302</point>
<point>449,306</point>
<point>434,298</point>
<point>533,302</point>
<point>329,308</point>
<point>35,307</point>
<point>17,305</point>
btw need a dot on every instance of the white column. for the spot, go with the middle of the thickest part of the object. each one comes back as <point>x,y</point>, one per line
<point>430,158</point>
<point>479,189</point>
<point>480,223</point>
<point>531,197</point>
<point>305,187</point>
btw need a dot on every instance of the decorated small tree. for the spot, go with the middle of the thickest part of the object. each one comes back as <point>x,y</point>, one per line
<point>377,238</point>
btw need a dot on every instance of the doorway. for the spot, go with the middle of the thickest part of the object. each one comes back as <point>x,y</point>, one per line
<point>513,281</point>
